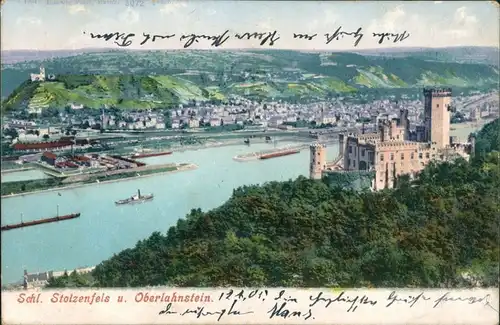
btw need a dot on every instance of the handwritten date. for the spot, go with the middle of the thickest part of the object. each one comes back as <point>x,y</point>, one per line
<point>242,295</point>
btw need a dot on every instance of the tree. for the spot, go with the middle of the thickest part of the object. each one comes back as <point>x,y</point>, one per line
<point>11,132</point>
<point>46,137</point>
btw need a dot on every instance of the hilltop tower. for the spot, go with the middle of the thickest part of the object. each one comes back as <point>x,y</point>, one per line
<point>317,160</point>
<point>42,72</point>
<point>437,116</point>
<point>40,76</point>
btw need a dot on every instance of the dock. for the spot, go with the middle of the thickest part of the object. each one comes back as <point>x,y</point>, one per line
<point>40,221</point>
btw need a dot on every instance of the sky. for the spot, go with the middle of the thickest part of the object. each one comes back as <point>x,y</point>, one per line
<point>60,24</point>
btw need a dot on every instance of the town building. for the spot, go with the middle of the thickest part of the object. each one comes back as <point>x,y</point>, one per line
<point>194,123</point>
<point>49,158</point>
<point>392,150</point>
<point>215,122</point>
<point>41,279</point>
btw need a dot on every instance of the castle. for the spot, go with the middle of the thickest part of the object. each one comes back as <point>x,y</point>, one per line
<point>394,150</point>
<point>40,76</point>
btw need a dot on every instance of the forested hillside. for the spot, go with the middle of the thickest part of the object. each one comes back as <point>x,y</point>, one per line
<point>441,230</point>
<point>289,75</point>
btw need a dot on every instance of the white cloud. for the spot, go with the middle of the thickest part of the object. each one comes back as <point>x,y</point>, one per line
<point>462,18</point>
<point>172,7</point>
<point>129,16</point>
<point>74,9</point>
<point>28,21</point>
<point>463,25</point>
<point>389,21</point>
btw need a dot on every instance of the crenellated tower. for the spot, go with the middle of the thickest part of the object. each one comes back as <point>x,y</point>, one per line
<point>317,160</point>
<point>437,107</point>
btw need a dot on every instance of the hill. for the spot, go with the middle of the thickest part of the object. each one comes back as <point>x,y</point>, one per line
<point>459,54</point>
<point>255,74</point>
<point>96,91</point>
<point>304,233</point>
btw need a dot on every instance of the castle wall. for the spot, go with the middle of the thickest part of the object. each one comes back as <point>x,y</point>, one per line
<point>394,159</point>
<point>359,155</point>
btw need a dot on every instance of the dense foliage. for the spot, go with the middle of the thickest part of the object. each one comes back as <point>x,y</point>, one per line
<point>488,138</point>
<point>440,230</point>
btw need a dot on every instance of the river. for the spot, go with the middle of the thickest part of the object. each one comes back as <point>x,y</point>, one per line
<point>104,229</point>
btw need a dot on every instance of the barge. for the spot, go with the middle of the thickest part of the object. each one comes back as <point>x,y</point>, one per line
<point>40,221</point>
<point>278,154</point>
<point>151,154</point>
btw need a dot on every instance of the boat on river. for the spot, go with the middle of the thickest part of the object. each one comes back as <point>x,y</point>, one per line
<point>137,198</point>
<point>279,154</point>
<point>145,154</point>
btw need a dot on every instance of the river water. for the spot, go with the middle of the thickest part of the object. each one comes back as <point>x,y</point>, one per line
<point>104,229</point>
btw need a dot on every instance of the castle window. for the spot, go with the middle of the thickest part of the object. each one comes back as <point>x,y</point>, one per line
<point>350,149</point>
<point>441,157</point>
<point>354,163</point>
<point>362,152</point>
<point>392,156</point>
<point>412,156</point>
<point>319,162</point>
<point>382,157</point>
<point>402,156</point>
<point>437,105</point>
<point>348,162</point>
<point>420,156</point>
<point>427,155</point>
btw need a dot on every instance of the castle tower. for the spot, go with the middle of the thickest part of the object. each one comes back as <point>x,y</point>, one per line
<point>384,128</point>
<point>42,73</point>
<point>405,123</point>
<point>317,160</point>
<point>437,116</point>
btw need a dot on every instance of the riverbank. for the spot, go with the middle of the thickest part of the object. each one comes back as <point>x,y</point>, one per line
<point>16,170</point>
<point>240,141</point>
<point>475,124</point>
<point>179,168</point>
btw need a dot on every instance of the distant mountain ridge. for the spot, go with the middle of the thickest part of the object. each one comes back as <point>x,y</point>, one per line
<point>180,76</point>
<point>462,54</point>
